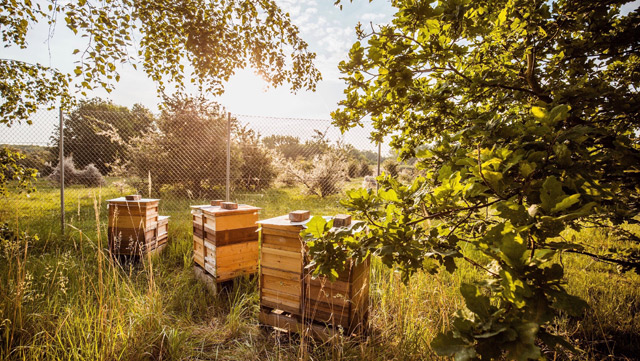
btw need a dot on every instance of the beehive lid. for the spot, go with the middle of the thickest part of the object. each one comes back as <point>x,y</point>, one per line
<point>124,201</point>
<point>163,219</point>
<point>284,222</point>
<point>219,212</point>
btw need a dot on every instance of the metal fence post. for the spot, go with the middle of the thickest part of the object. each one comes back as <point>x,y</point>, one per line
<point>379,151</point>
<point>61,165</point>
<point>228,154</point>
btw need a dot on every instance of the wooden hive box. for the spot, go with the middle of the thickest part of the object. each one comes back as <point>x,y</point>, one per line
<point>132,225</point>
<point>226,240</point>
<point>198,234</point>
<point>290,297</point>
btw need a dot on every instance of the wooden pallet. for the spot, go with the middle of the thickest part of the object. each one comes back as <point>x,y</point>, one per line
<point>288,322</point>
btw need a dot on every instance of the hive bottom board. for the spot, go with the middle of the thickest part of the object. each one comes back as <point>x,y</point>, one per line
<point>212,284</point>
<point>285,321</point>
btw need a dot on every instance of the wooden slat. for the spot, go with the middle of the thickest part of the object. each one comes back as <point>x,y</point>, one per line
<point>210,269</point>
<point>282,243</point>
<point>293,276</point>
<point>279,232</point>
<point>220,212</point>
<point>198,251</point>
<point>291,324</point>
<point>280,300</point>
<point>280,262</point>
<point>229,275</point>
<point>283,285</point>
<point>323,294</point>
<point>232,236</point>
<point>235,251</point>
<point>323,282</point>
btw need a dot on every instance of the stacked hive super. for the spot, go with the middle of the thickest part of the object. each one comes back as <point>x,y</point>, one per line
<point>290,298</point>
<point>225,239</point>
<point>135,228</point>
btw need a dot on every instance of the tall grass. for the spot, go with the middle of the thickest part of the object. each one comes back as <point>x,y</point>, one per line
<point>63,298</point>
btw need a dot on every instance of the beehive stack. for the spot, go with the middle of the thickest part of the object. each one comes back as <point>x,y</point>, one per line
<point>225,239</point>
<point>290,297</point>
<point>135,228</point>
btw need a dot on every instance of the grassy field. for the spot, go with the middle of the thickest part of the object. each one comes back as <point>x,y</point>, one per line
<point>63,298</point>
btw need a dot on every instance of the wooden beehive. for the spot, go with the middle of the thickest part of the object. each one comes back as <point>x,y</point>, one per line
<point>289,296</point>
<point>226,240</point>
<point>134,226</point>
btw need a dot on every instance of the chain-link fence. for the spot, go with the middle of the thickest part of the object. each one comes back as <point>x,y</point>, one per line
<point>188,154</point>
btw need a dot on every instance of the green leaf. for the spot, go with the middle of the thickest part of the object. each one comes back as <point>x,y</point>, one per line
<point>445,344</point>
<point>476,302</point>
<point>566,202</point>
<point>538,112</point>
<point>551,193</point>
<point>316,226</point>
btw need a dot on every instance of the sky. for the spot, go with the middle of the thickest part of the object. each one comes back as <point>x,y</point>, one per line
<point>329,31</point>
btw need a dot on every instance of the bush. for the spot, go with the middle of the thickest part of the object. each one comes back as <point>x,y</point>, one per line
<point>390,167</point>
<point>353,170</point>
<point>321,176</point>
<point>90,176</point>
<point>365,170</point>
<point>256,171</point>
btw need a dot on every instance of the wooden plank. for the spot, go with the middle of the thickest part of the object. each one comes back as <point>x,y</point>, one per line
<point>133,197</point>
<point>334,316</point>
<point>133,222</point>
<point>211,269</point>
<point>198,251</point>
<point>323,282</point>
<point>220,212</point>
<point>229,275</point>
<point>235,251</point>
<point>291,324</point>
<point>208,280</point>
<point>326,295</point>
<point>233,236</point>
<point>281,301</point>
<point>291,264</point>
<point>235,221</point>
<point>210,246</point>
<point>119,211</point>
<point>293,276</point>
<point>282,285</point>
<point>279,232</point>
<point>283,243</point>
<point>230,266</point>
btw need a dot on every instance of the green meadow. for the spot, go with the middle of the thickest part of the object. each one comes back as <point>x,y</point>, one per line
<point>63,298</point>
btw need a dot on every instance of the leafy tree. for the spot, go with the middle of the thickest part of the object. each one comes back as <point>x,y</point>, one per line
<point>188,149</point>
<point>256,170</point>
<point>211,38</point>
<point>97,132</point>
<point>524,116</point>
<point>11,169</point>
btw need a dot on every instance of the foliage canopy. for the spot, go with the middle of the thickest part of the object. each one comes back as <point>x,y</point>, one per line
<point>206,39</point>
<point>524,116</point>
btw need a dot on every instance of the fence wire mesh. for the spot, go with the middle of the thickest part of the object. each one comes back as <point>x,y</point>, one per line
<point>178,156</point>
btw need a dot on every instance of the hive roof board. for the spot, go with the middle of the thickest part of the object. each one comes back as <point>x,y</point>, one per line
<point>284,221</point>
<point>124,200</point>
<point>218,212</point>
